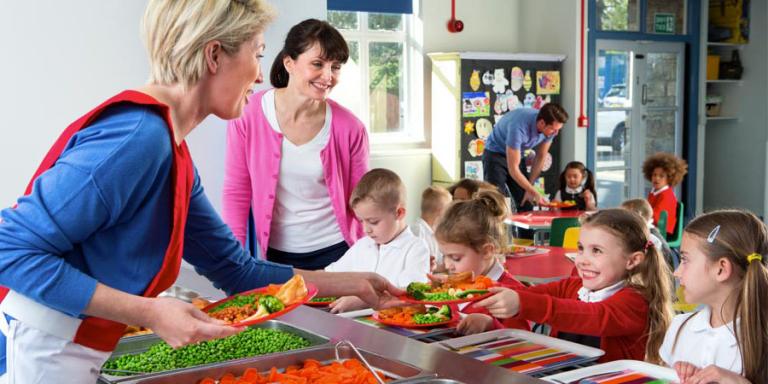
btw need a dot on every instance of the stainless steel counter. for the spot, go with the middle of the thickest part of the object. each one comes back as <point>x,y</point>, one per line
<point>425,356</point>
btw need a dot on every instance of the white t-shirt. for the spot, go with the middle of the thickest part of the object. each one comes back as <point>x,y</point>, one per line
<point>403,260</point>
<point>423,231</point>
<point>700,344</point>
<point>303,219</point>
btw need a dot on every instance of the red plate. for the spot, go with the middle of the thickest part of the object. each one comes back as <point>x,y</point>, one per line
<point>311,292</point>
<point>558,204</point>
<point>455,317</point>
<point>319,303</point>
<point>409,299</point>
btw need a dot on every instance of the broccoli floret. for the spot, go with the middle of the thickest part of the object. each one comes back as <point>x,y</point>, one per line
<point>271,303</point>
<point>471,292</point>
<point>444,311</point>
<point>417,290</point>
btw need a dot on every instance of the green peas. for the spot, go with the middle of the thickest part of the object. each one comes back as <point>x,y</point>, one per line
<point>238,301</point>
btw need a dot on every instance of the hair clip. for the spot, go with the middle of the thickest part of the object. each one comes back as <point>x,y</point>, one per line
<point>648,245</point>
<point>713,234</point>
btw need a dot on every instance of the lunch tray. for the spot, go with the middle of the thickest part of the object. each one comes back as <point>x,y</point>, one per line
<point>618,371</point>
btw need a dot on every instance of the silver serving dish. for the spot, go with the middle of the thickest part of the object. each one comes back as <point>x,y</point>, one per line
<point>430,380</point>
<point>180,293</point>
<point>324,353</point>
<point>141,343</point>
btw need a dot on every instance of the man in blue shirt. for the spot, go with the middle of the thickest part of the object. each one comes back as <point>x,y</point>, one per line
<point>517,131</point>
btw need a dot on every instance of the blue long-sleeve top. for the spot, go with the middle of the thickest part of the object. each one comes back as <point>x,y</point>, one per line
<point>102,213</point>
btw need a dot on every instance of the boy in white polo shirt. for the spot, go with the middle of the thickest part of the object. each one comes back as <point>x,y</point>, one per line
<point>389,247</point>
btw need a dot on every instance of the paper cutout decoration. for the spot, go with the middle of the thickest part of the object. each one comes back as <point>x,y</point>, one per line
<point>475,147</point>
<point>469,127</point>
<point>487,78</point>
<point>540,102</point>
<point>499,81</point>
<point>513,102</point>
<point>473,170</point>
<point>530,156</point>
<point>527,81</point>
<point>474,80</point>
<point>483,128</point>
<point>497,105</point>
<point>517,78</point>
<point>547,82</point>
<point>475,104</point>
<point>529,100</point>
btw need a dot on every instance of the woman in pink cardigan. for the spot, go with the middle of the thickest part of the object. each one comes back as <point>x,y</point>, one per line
<point>294,156</point>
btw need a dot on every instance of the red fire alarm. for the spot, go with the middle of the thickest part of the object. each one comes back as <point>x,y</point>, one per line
<point>454,25</point>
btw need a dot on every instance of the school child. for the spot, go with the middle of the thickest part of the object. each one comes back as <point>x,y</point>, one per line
<point>434,202</point>
<point>577,184</point>
<point>620,301</point>
<point>470,236</point>
<point>389,247</point>
<point>664,171</point>
<point>464,189</point>
<point>643,208</point>
<point>722,267</point>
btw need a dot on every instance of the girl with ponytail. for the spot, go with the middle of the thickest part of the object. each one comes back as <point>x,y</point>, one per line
<point>620,301</point>
<point>723,268</point>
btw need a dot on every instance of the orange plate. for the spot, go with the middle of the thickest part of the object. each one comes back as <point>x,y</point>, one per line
<point>311,292</point>
<point>455,317</point>
<point>319,303</point>
<point>409,299</point>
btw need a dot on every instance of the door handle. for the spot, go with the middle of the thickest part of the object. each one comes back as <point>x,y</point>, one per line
<point>644,99</point>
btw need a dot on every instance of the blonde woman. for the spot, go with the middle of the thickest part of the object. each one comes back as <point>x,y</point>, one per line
<point>117,203</point>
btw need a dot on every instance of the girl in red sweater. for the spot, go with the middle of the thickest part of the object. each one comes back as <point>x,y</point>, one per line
<point>621,300</point>
<point>664,171</point>
<point>470,235</point>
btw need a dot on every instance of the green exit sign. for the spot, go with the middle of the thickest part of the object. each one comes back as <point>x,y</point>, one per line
<point>664,23</point>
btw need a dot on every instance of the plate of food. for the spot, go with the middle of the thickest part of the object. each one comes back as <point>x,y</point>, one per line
<point>262,304</point>
<point>457,288</point>
<point>321,301</point>
<point>524,251</point>
<point>417,316</point>
<point>560,204</point>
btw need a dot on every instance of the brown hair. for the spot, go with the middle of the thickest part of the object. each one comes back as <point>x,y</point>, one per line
<point>301,38</point>
<point>471,185</point>
<point>673,166</point>
<point>431,198</point>
<point>735,235</point>
<point>640,206</point>
<point>552,112</point>
<point>475,222</point>
<point>652,277</point>
<point>382,186</point>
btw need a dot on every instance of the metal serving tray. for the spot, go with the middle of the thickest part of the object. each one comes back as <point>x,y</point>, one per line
<point>429,380</point>
<point>324,353</point>
<point>139,344</point>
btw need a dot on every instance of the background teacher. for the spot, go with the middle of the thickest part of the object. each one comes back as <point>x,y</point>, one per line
<point>294,156</point>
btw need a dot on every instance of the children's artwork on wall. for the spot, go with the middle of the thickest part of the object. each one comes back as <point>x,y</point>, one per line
<point>529,100</point>
<point>473,170</point>
<point>476,147</point>
<point>513,102</point>
<point>499,81</point>
<point>474,80</point>
<point>497,105</point>
<point>483,128</point>
<point>475,104</point>
<point>548,82</point>
<point>527,82</point>
<point>487,78</point>
<point>517,78</point>
<point>530,157</point>
<point>469,127</point>
<point>541,101</point>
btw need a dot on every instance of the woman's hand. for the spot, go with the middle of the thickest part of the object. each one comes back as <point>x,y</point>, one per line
<point>180,323</point>
<point>504,304</point>
<point>475,323</point>
<point>712,374</point>
<point>346,304</point>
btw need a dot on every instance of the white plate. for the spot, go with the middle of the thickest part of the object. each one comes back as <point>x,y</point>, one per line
<point>571,256</point>
<point>618,365</point>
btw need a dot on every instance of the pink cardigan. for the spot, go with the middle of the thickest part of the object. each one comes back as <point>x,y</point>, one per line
<point>253,162</point>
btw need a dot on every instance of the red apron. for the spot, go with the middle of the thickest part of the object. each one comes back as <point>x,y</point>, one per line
<point>102,334</point>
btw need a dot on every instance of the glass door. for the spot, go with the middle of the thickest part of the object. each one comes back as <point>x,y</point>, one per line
<point>639,112</point>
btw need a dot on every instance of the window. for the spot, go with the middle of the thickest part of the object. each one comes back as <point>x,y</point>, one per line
<point>375,81</point>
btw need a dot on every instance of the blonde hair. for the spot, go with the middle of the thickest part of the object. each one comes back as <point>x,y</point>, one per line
<point>382,186</point>
<point>176,31</point>
<point>431,200</point>
<point>475,222</point>
<point>735,235</point>
<point>640,206</point>
<point>652,277</point>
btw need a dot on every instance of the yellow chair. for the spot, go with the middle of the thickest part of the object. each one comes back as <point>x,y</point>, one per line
<point>524,242</point>
<point>680,305</point>
<point>571,238</point>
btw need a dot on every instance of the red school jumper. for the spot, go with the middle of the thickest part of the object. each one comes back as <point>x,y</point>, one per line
<point>620,321</point>
<point>507,281</point>
<point>665,201</point>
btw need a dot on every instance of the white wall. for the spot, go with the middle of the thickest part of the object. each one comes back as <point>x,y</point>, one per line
<point>489,25</point>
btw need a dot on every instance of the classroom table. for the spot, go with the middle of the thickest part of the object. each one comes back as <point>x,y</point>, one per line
<point>539,222</point>
<point>542,268</point>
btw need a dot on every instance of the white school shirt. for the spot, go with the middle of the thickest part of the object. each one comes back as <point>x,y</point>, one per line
<point>303,218</point>
<point>700,344</point>
<point>403,260</point>
<point>423,231</point>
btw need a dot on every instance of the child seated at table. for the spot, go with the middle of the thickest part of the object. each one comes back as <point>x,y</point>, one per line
<point>577,184</point>
<point>643,208</point>
<point>465,189</point>
<point>434,202</point>
<point>621,300</point>
<point>471,235</point>
<point>664,171</point>
<point>389,247</point>
<point>723,267</point>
